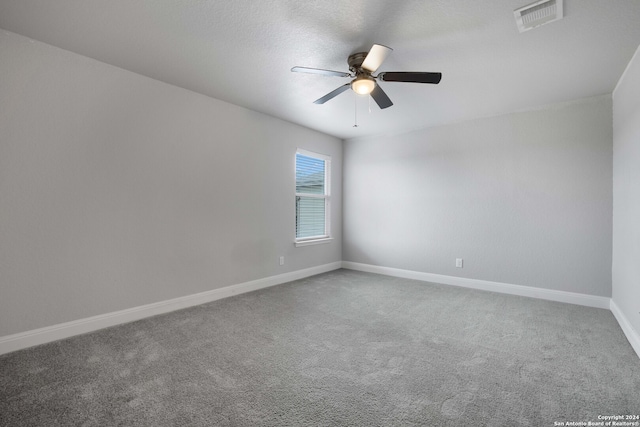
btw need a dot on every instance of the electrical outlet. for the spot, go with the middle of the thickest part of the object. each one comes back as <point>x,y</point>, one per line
<point>459,262</point>
<point>281,260</point>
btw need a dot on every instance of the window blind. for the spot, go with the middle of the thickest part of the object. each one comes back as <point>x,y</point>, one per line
<point>311,197</point>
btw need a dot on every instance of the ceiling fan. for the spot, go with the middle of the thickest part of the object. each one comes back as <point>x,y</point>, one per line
<point>362,66</point>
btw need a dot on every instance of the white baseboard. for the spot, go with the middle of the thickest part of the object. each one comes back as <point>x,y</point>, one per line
<point>47,334</point>
<point>485,285</point>
<point>631,334</point>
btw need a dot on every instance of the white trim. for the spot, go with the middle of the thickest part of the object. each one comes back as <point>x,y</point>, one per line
<point>326,196</point>
<point>630,333</point>
<point>60,331</point>
<point>308,153</point>
<point>485,285</point>
<point>47,334</point>
<point>624,73</point>
<point>309,242</point>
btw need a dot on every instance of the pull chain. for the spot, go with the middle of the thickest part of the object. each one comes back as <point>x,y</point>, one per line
<point>355,111</point>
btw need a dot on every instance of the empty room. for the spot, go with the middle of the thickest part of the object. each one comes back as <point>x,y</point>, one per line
<point>304,213</point>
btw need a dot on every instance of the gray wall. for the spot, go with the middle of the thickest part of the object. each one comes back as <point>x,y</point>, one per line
<point>523,198</point>
<point>117,190</point>
<point>626,194</point>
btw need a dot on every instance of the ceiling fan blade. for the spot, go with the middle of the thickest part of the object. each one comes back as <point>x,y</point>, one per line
<point>375,57</point>
<point>320,71</point>
<point>332,94</point>
<point>410,77</point>
<point>381,98</point>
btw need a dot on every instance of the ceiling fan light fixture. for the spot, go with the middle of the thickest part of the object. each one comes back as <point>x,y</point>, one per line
<point>363,85</point>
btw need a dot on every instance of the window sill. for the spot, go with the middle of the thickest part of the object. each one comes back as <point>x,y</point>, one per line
<point>309,242</point>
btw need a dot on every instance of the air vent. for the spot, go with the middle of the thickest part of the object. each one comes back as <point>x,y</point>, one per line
<point>538,13</point>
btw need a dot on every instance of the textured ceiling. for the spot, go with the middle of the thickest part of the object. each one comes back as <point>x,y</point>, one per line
<point>242,51</point>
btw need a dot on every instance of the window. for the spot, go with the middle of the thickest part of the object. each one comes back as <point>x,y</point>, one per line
<point>312,197</point>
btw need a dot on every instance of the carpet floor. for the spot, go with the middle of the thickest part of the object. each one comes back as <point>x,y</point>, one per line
<point>343,348</point>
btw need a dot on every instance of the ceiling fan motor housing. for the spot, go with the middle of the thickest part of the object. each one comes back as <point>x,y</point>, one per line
<point>355,63</point>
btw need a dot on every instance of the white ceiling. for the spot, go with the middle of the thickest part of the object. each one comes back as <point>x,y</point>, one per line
<point>242,51</point>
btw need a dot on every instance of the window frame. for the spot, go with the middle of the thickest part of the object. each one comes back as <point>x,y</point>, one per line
<point>326,237</point>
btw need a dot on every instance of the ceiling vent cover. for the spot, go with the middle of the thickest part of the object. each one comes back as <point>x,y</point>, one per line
<point>538,13</point>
